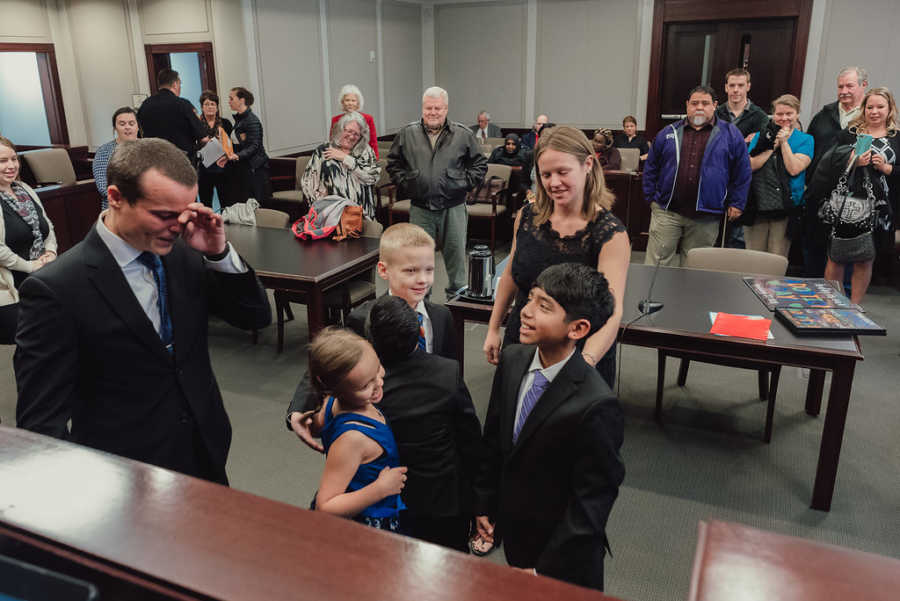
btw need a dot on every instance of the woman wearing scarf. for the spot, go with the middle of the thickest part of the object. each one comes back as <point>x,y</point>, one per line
<point>512,153</point>
<point>27,241</point>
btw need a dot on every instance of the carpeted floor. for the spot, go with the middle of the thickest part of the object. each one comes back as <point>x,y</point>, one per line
<point>706,461</point>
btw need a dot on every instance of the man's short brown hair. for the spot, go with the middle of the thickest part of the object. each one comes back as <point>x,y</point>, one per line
<point>134,158</point>
<point>739,72</point>
<point>402,235</point>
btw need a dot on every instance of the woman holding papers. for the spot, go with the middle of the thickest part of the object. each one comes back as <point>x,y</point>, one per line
<point>216,175</point>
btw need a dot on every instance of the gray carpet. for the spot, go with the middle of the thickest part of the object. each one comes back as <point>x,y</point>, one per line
<point>706,461</point>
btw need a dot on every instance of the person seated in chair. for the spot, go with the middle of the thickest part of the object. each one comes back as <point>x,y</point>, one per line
<point>484,129</point>
<point>345,166</point>
<point>512,153</point>
<point>607,154</point>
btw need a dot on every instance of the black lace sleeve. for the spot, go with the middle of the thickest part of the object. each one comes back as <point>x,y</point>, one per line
<point>540,246</point>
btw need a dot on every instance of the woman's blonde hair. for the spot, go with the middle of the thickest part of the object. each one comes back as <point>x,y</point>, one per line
<point>890,123</point>
<point>787,100</point>
<point>573,142</point>
<point>7,143</point>
<point>333,353</point>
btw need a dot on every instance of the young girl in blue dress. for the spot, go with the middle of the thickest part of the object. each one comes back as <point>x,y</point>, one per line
<point>362,479</point>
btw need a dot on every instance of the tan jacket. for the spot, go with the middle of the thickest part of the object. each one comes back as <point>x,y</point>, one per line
<point>11,261</point>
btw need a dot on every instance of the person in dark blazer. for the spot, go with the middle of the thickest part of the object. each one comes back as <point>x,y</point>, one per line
<point>113,335</point>
<point>484,129</point>
<point>552,435</point>
<point>168,116</point>
<point>437,431</point>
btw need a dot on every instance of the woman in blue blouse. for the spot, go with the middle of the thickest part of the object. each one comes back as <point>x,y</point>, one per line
<point>125,125</point>
<point>779,156</point>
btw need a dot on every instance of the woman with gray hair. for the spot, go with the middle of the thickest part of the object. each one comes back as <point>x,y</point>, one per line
<point>345,166</point>
<point>351,100</point>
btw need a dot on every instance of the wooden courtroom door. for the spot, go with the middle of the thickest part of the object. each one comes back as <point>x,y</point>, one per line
<point>701,53</point>
<point>700,40</point>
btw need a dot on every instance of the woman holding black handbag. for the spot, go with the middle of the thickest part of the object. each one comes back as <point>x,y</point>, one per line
<point>861,203</point>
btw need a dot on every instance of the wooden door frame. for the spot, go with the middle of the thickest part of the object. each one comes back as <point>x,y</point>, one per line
<point>205,49</point>
<point>687,11</point>
<point>50,88</point>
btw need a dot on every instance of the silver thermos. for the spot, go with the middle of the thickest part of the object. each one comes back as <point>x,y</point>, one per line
<point>481,272</point>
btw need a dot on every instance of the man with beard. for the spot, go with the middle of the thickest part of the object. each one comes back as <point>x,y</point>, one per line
<point>698,169</point>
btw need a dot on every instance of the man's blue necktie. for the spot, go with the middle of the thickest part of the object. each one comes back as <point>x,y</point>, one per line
<point>154,264</point>
<point>421,345</point>
<point>531,398</point>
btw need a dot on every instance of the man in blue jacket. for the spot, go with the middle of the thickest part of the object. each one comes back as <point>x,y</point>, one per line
<point>697,170</point>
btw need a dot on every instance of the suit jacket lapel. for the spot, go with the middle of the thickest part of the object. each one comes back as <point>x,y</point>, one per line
<point>106,275</point>
<point>512,380</point>
<point>564,385</point>
<point>437,329</point>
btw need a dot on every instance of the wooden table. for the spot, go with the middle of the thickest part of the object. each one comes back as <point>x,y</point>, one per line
<point>170,536</point>
<point>738,563</point>
<point>683,324</point>
<point>283,262</point>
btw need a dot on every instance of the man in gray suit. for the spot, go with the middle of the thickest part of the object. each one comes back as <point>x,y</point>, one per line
<point>484,129</point>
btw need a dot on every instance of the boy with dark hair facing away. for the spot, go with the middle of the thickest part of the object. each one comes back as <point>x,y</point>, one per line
<point>552,435</point>
<point>437,431</point>
<point>406,261</point>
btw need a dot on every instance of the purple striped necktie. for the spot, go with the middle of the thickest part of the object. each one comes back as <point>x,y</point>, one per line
<point>531,398</point>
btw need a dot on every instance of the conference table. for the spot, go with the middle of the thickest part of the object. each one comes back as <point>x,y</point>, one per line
<point>284,262</point>
<point>141,532</point>
<point>689,295</point>
<point>738,563</point>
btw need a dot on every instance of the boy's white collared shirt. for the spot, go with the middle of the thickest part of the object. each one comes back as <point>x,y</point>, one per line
<point>548,372</point>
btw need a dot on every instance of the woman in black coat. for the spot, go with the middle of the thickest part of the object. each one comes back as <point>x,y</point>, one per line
<point>249,156</point>
<point>876,168</point>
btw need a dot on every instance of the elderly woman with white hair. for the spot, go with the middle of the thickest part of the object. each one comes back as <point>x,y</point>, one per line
<point>351,100</point>
<point>345,166</point>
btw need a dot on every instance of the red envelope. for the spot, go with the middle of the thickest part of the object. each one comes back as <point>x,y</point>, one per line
<point>741,326</point>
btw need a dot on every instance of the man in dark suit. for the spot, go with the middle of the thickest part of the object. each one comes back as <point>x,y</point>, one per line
<point>552,435</point>
<point>433,420</point>
<point>484,129</point>
<point>113,334</point>
<point>168,116</point>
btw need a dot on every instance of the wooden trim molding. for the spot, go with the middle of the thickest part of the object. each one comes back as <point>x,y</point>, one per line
<point>207,64</point>
<point>50,88</point>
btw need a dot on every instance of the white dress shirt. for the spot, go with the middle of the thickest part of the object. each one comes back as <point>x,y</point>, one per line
<point>140,277</point>
<point>548,372</point>
<point>426,325</point>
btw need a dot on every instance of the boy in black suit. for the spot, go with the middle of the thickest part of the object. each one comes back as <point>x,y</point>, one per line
<point>438,434</point>
<point>552,435</point>
<point>406,261</point>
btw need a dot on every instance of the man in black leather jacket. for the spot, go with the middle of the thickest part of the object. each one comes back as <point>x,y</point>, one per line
<point>435,162</point>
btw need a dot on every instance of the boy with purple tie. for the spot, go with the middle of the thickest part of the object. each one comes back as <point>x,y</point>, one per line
<point>552,435</point>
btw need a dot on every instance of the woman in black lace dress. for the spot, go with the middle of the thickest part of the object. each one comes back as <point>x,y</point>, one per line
<point>571,220</point>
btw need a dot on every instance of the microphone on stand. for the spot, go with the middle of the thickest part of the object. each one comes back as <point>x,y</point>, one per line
<point>648,306</point>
